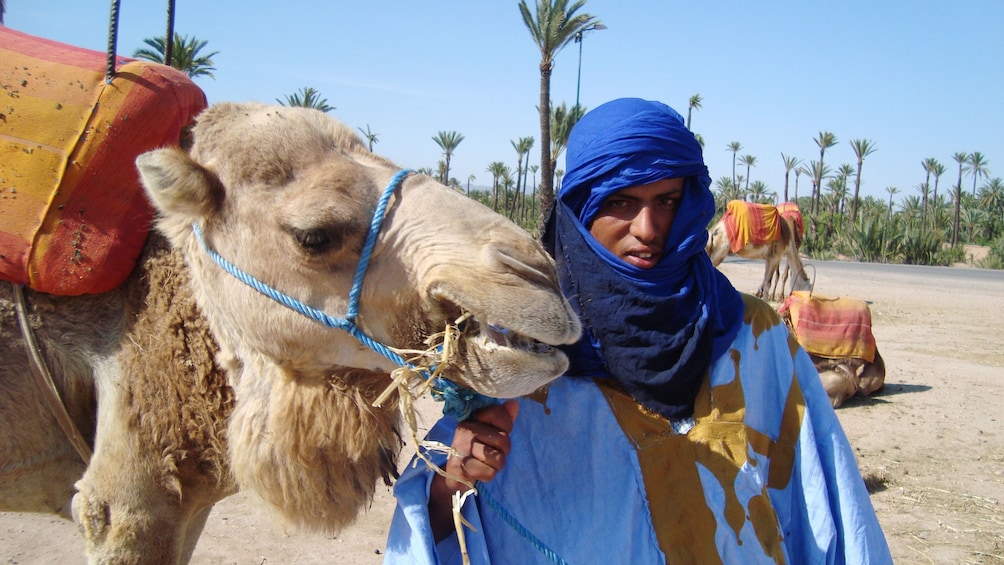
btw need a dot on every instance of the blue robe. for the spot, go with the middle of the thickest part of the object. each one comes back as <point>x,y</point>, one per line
<point>762,473</point>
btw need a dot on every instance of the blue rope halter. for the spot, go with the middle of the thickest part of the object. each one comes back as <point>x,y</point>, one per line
<point>458,402</point>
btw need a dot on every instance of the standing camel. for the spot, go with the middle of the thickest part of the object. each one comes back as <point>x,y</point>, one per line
<point>757,231</point>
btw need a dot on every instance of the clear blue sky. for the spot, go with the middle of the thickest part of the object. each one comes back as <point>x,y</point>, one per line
<point>919,78</point>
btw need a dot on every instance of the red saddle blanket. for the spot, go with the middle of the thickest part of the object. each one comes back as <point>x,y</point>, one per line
<point>748,222</point>
<point>831,327</point>
<point>73,215</point>
<point>789,210</point>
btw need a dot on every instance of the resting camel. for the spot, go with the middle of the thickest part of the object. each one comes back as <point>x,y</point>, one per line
<point>836,332</point>
<point>189,384</point>
<point>765,237</point>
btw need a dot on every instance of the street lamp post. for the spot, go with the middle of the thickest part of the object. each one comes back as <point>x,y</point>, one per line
<point>578,39</point>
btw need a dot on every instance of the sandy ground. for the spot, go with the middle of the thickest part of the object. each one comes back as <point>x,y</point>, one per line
<point>930,445</point>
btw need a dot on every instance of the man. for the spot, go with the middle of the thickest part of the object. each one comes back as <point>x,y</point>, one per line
<point>689,428</point>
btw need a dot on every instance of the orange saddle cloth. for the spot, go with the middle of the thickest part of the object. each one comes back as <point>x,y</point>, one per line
<point>73,214</point>
<point>831,327</point>
<point>748,222</point>
<point>790,210</point>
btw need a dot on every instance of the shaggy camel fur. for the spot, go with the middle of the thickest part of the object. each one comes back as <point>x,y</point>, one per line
<point>719,247</point>
<point>192,385</point>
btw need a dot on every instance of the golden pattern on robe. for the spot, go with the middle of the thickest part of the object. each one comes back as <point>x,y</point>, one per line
<point>720,442</point>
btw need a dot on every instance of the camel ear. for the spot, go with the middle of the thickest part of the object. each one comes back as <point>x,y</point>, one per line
<point>178,186</point>
<point>183,191</point>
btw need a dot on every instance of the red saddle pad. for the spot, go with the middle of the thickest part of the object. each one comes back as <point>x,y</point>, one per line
<point>73,214</point>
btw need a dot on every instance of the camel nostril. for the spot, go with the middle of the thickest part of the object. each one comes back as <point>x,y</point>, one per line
<point>512,260</point>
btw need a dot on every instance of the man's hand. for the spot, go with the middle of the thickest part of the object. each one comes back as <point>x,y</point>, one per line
<point>481,444</point>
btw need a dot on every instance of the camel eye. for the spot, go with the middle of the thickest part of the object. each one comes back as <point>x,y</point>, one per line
<point>314,241</point>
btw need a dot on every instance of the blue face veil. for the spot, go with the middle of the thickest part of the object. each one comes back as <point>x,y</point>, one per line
<point>655,331</point>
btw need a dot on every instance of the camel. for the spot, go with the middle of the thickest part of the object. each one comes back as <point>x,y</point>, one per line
<point>792,216</point>
<point>724,239</point>
<point>190,384</point>
<point>836,332</point>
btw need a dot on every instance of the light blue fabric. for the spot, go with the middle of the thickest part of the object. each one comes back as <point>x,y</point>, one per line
<point>574,480</point>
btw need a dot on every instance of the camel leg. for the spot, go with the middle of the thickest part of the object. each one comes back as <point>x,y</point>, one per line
<point>134,505</point>
<point>838,380</point>
<point>784,278</point>
<point>872,378</point>
<point>196,524</point>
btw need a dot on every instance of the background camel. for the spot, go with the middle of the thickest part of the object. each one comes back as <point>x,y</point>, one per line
<point>190,384</point>
<point>792,216</point>
<point>757,231</point>
<point>836,332</point>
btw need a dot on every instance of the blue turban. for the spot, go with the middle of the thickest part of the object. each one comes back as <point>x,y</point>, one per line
<point>656,331</point>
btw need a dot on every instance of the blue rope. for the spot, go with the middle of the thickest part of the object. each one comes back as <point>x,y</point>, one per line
<point>457,402</point>
<point>514,523</point>
<point>364,259</point>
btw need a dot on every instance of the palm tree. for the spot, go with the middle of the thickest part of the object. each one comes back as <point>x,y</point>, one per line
<point>734,147</point>
<point>978,167</point>
<point>533,193</point>
<point>862,148</point>
<point>937,169</point>
<point>798,172</point>
<point>992,201</point>
<point>469,179</point>
<point>448,142</point>
<point>522,147</point>
<point>924,189</point>
<point>758,193</point>
<point>727,191</point>
<point>554,26</point>
<point>695,103</point>
<point>496,169</point>
<point>307,97</point>
<point>371,137</point>
<point>184,55</point>
<point>817,172</point>
<point>891,190</point>
<point>961,159</point>
<point>790,163</point>
<point>749,161</point>
<point>844,172</point>
<point>824,141</point>
<point>2,10</point>
<point>563,119</point>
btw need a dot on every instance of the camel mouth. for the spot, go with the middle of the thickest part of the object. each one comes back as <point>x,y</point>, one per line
<point>491,336</point>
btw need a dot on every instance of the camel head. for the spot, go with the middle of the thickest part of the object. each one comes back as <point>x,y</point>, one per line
<point>287,195</point>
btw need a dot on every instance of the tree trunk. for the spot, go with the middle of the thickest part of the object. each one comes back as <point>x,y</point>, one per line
<point>546,192</point>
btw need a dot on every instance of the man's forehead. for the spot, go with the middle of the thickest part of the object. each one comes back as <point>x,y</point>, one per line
<point>664,187</point>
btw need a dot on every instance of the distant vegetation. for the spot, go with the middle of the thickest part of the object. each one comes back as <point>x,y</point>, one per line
<point>927,228</point>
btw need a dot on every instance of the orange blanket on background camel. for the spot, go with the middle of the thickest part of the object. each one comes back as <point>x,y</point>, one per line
<point>73,215</point>
<point>831,327</point>
<point>748,222</point>
<point>789,210</point>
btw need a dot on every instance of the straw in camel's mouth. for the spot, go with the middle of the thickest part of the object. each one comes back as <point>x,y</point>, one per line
<point>493,335</point>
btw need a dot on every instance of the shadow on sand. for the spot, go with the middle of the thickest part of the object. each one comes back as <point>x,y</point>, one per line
<point>883,396</point>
